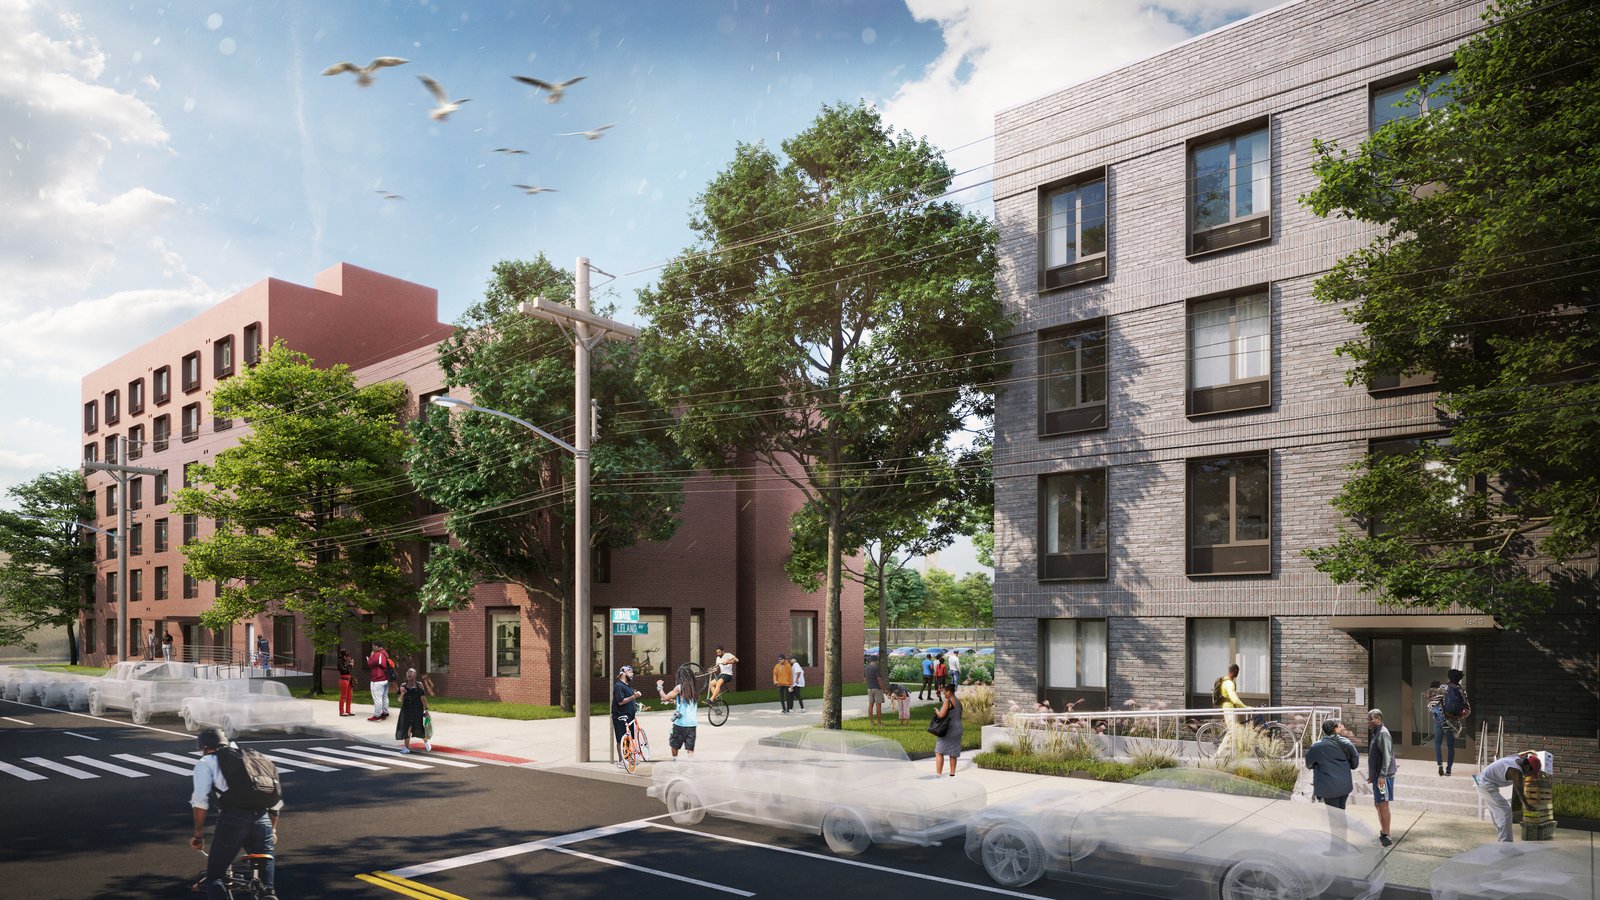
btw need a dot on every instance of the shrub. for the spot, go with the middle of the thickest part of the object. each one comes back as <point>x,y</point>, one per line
<point>977,706</point>
<point>1098,769</point>
<point>1279,772</point>
<point>1151,756</point>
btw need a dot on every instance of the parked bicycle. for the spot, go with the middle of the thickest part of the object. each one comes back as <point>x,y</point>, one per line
<point>1264,738</point>
<point>716,710</point>
<point>244,878</point>
<point>635,746</point>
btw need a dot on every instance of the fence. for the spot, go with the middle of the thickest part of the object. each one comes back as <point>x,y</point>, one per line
<point>934,637</point>
<point>1119,729</point>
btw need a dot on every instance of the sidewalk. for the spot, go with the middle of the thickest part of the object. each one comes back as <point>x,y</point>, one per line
<point>1422,840</point>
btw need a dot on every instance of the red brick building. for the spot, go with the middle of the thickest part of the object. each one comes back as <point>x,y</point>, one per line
<point>719,580</point>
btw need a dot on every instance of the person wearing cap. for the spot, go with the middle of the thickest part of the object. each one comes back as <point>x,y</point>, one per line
<point>253,830</point>
<point>1381,766</point>
<point>1510,771</point>
<point>624,706</point>
<point>783,680</point>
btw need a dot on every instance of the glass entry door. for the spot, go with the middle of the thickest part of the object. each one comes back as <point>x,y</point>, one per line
<point>1402,671</point>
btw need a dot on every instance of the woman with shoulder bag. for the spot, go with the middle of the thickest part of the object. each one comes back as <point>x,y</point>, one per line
<point>413,714</point>
<point>949,742</point>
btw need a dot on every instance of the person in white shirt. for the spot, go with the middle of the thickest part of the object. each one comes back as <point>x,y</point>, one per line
<point>952,664</point>
<point>253,830</point>
<point>1506,772</point>
<point>724,673</point>
<point>799,681</point>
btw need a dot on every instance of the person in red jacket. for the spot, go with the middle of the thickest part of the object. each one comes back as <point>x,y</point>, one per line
<point>378,665</point>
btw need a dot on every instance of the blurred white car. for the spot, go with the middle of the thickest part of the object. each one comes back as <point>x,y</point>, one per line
<point>1179,833</point>
<point>855,789</point>
<point>246,704</point>
<point>46,687</point>
<point>145,689</point>
<point>1543,870</point>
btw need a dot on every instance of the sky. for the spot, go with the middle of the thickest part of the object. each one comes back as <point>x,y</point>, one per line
<point>161,156</point>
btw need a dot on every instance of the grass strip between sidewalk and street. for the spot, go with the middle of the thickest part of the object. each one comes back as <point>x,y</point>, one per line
<point>912,735</point>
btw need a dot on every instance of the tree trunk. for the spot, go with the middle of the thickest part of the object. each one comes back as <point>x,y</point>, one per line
<point>72,642</point>
<point>316,672</point>
<point>833,672</point>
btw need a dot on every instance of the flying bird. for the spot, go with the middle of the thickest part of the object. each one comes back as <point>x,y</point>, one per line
<point>510,152</point>
<point>556,90</point>
<point>446,106</point>
<point>364,73</point>
<point>531,189</point>
<point>389,195</point>
<point>593,134</point>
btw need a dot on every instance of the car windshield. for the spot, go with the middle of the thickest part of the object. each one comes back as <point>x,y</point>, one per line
<point>1207,780</point>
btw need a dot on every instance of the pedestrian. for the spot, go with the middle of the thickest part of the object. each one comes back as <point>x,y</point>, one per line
<point>624,707</point>
<point>940,675</point>
<point>724,673</point>
<point>378,664</point>
<point>1381,766</point>
<point>799,681</point>
<point>166,646</point>
<point>949,743</point>
<point>685,712</point>
<point>874,674</point>
<point>150,643</point>
<point>953,664</point>
<point>902,702</point>
<point>1331,760</point>
<point>1227,690</point>
<point>783,680</point>
<point>926,692</point>
<point>263,656</point>
<point>1507,771</point>
<point>413,713</point>
<point>1450,707</point>
<point>347,682</point>
<point>241,824</point>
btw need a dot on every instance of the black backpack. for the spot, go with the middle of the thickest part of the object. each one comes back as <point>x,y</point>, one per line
<point>252,780</point>
<point>1455,700</point>
<point>1216,692</point>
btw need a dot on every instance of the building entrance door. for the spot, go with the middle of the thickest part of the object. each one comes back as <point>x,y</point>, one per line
<point>1402,670</point>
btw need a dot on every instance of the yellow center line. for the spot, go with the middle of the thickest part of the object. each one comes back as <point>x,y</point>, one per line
<point>408,887</point>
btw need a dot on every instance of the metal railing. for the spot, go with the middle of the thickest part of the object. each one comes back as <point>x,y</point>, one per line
<point>1176,724</point>
<point>1485,755</point>
<point>934,637</point>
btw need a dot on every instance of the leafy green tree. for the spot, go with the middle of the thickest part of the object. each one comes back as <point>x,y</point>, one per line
<point>903,594</point>
<point>836,319</point>
<point>306,504</point>
<point>505,487</point>
<point>43,564</point>
<point>1482,275</point>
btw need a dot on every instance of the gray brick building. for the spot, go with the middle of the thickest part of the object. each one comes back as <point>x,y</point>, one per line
<point>1177,421</point>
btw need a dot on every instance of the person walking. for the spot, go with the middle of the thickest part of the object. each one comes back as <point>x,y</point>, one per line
<point>685,712</point>
<point>347,682</point>
<point>413,710</point>
<point>1331,760</point>
<point>166,646</point>
<point>724,673</point>
<point>1381,766</point>
<point>240,824</point>
<point>378,665</point>
<point>874,674</point>
<point>953,666</point>
<point>927,691</point>
<point>263,655</point>
<point>783,680</point>
<point>1504,772</point>
<point>940,675</point>
<point>799,681</point>
<point>1227,690</point>
<point>150,643</point>
<point>1450,707</point>
<point>949,743</point>
<point>624,707</point>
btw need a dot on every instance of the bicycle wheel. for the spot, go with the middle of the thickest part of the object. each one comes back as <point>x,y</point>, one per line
<point>690,670</point>
<point>717,711</point>
<point>644,742</point>
<point>1208,737</point>
<point>630,759</point>
<point>1275,740</point>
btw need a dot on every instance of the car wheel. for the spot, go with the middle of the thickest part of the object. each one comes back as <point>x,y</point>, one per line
<point>228,729</point>
<point>97,704</point>
<point>684,805</point>
<point>141,711</point>
<point>1012,856</point>
<point>189,723</point>
<point>1262,880</point>
<point>845,833</point>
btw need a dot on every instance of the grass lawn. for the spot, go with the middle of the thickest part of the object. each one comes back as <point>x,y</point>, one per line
<point>501,709</point>
<point>77,670</point>
<point>913,735</point>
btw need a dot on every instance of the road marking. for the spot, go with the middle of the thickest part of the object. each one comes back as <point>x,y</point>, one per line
<point>435,760</point>
<point>18,721</point>
<point>456,862</point>
<point>408,887</point>
<point>849,862</point>
<point>84,736</point>
<point>159,766</point>
<point>64,769</point>
<point>286,765</point>
<point>24,774</point>
<point>109,767</point>
<point>365,757</point>
<point>639,868</point>
<point>333,760</point>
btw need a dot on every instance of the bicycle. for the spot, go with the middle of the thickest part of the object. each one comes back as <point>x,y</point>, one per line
<point>635,747</point>
<point>716,710</point>
<point>1267,739</point>
<point>243,879</point>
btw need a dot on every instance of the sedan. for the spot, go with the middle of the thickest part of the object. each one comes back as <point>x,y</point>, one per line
<point>904,651</point>
<point>246,704</point>
<point>1555,870</point>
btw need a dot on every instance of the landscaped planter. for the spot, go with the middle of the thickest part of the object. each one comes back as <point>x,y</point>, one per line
<point>1110,747</point>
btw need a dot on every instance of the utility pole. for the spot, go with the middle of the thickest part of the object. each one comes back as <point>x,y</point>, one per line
<point>588,330</point>
<point>121,473</point>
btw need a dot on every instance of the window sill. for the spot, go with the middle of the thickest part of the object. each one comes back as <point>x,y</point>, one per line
<point>1089,417</point>
<point>1240,233</point>
<point>1088,566</point>
<point>1227,398</point>
<point>1084,271</point>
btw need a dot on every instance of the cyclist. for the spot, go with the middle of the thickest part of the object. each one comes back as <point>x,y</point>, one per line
<point>724,673</point>
<point>685,716</point>
<point>624,707</point>
<point>238,826</point>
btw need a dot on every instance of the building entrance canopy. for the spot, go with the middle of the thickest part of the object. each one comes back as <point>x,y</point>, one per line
<point>1413,624</point>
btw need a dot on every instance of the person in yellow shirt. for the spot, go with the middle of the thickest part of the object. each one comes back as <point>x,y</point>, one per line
<point>783,679</point>
<point>1231,701</point>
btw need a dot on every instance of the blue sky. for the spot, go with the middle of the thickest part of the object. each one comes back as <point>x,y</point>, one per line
<point>163,155</point>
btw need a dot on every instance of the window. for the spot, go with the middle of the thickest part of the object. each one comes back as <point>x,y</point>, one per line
<point>803,637</point>
<point>282,638</point>
<point>91,417</point>
<point>111,588</point>
<point>161,581</point>
<point>135,441</point>
<point>506,627</point>
<point>438,641</point>
<point>161,380</point>
<point>1230,502</point>
<point>1230,353</point>
<point>191,421</point>
<point>697,634</point>
<point>1072,232</point>
<point>600,564</point>
<point>191,372</point>
<point>136,396</point>
<point>1072,519</point>
<point>222,357</point>
<point>221,423</point>
<point>135,588</point>
<point>136,492</point>
<point>88,635</point>
<point>1382,384</point>
<point>113,407</point>
<point>136,539</point>
<point>252,343</point>
<point>188,473</point>
<point>648,654</point>
<point>599,646</point>
<point>1390,101</point>
<point>1438,467</point>
<point>1215,644</point>
<point>111,499</point>
<point>1074,655</point>
<point>135,641</point>
<point>191,586</point>
<point>1072,367</point>
<point>161,488</point>
<point>191,528</point>
<point>111,628</point>
<point>162,431</point>
<point>112,444</point>
<point>161,536</point>
<point>1230,189</point>
<point>91,452</point>
<point>425,407</point>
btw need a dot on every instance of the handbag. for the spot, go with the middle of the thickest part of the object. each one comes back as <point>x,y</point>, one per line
<point>939,726</point>
<point>427,725</point>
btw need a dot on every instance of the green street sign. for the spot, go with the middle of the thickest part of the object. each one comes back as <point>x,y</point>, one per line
<point>625,615</point>
<point>622,628</point>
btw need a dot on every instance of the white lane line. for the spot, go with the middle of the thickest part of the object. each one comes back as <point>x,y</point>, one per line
<point>158,766</point>
<point>18,721</point>
<point>84,736</point>
<point>286,765</point>
<point>109,767</point>
<point>178,757</point>
<point>456,862</point>
<point>366,757</point>
<point>432,758</point>
<point>849,862</point>
<point>64,769</point>
<point>639,868</point>
<point>24,774</point>
<point>332,760</point>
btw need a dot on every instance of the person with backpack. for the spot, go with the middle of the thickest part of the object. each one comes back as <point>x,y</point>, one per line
<point>1450,708</point>
<point>379,667</point>
<point>1225,696</point>
<point>263,655</point>
<point>246,789</point>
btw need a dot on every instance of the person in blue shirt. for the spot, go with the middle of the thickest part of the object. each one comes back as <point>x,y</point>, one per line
<point>685,716</point>
<point>926,693</point>
<point>624,706</point>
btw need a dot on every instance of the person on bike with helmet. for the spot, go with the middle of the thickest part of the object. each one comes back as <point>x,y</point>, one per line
<point>254,830</point>
<point>624,706</point>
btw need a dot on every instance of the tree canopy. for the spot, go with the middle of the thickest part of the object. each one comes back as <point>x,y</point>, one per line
<point>43,564</point>
<point>836,320</point>
<point>1481,275</point>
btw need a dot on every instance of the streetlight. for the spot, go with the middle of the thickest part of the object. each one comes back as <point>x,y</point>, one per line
<point>452,401</point>
<point>122,562</point>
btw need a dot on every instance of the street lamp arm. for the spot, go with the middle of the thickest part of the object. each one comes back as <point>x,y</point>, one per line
<point>452,401</point>
<point>94,528</point>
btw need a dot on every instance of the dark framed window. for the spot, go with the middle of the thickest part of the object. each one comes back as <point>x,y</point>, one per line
<point>161,582</point>
<point>1392,98</point>
<point>1230,353</point>
<point>1073,654</point>
<point>1230,188</point>
<point>191,586</point>
<point>161,539</point>
<point>1072,231</point>
<point>191,528</point>
<point>1215,644</point>
<point>135,589</point>
<point>135,441</point>
<point>1439,466</point>
<point>222,357</point>
<point>113,445</point>
<point>111,543</point>
<point>600,564</point>
<point>1387,382</point>
<point>113,407</point>
<point>1072,373</point>
<point>505,629</point>
<point>91,452</point>
<point>191,421</point>
<point>283,637</point>
<point>191,372</point>
<point>136,396</point>
<point>438,651</point>
<point>162,432</point>
<point>89,635</point>
<point>111,499</point>
<point>136,539</point>
<point>91,417</point>
<point>1230,515</point>
<point>425,407</point>
<point>136,492</point>
<point>803,636</point>
<point>252,343</point>
<point>111,624</point>
<point>1072,525</point>
<point>161,382</point>
<point>188,473</point>
<point>221,423</point>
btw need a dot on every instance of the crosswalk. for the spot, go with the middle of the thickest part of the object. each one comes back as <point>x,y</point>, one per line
<point>361,757</point>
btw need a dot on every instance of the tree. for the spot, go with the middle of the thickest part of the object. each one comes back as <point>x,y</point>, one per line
<point>903,594</point>
<point>836,319</point>
<point>307,503</point>
<point>45,563</point>
<point>504,487</point>
<point>1482,275</point>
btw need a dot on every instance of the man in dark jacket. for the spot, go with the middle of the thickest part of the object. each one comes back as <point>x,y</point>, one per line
<point>1331,760</point>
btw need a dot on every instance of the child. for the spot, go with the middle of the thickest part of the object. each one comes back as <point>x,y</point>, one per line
<point>902,702</point>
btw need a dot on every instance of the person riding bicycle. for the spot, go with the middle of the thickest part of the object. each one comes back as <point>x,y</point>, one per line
<point>724,673</point>
<point>685,716</point>
<point>254,830</point>
<point>624,706</point>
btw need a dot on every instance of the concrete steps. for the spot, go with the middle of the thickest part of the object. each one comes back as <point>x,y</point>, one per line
<point>1419,786</point>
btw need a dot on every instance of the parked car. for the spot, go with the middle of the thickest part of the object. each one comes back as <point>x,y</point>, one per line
<point>1152,835</point>
<point>985,651</point>
<point>246,704</point>
<point>1496,871</point>
<point>854,789</point>
<point>46,687</point>
<point>961,650</point>
<point>145,689</point>
<point>936,651</point>
<point>905,651</point>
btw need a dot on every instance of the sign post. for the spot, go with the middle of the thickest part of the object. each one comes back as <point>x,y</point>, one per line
<point>624,621</point>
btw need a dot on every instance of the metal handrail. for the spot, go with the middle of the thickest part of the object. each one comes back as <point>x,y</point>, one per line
<point>1309,717</point>
<point>1485,756</point>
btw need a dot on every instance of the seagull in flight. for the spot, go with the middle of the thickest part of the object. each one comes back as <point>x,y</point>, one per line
<point>531,189</point>
<point>446,106</point>
<point>510,151</point>
<point>364,73</point>
<point>593,134</point>
<point>389,195</point>
<point>556,90</point>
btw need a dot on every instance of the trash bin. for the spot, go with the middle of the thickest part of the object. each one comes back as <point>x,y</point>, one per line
<point>1538,806</point>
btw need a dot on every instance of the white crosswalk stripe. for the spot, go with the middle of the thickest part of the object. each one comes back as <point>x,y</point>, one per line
<point>286,765</point>
<point>22,773</point>
<point>432,758</point>
<point>109,767</point>
<point>63,768</point>
<point>366,757</point>
<point>155,764</point>
<point>333,760</point>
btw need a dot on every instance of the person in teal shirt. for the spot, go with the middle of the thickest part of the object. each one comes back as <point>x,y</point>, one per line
<point>926,693</point>
<point>685,716</point>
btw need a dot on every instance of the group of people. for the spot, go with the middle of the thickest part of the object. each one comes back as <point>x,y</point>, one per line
<point>413,695</point>
<point>788,676</point>
<point>938,669</point>
<point>155,647</point>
